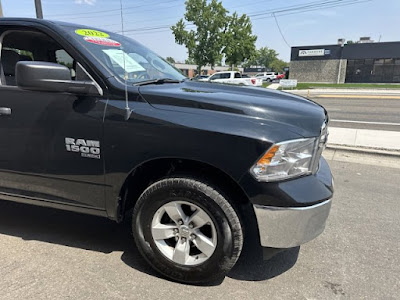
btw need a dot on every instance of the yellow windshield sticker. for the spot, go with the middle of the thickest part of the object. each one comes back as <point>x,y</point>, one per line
<point>91,33</point>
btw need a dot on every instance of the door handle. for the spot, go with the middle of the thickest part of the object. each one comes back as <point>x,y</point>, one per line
<point>5,111</point>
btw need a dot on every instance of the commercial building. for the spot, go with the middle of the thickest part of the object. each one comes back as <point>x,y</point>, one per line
<point>362,62</point>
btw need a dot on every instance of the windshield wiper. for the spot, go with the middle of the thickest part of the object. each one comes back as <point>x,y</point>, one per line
<point>157,81</point>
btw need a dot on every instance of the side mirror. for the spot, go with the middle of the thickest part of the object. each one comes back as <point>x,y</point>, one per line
<point>51,77</point>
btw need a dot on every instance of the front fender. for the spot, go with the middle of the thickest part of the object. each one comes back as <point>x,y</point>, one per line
<point>228,142</point>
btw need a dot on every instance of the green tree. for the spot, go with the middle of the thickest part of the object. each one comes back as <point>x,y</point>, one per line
<point>252,61</point>
<point>239,41</point>
<point>170,59</point>
<point>190,61</point>
<point>278,65</point>
<point>266,57</point>
<point>205,41</point>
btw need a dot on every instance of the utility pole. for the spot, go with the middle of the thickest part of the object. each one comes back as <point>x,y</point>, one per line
<point>1,10</point>
<point>39,11</point>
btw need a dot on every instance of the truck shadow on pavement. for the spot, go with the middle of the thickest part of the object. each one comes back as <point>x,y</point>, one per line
<point>92,233</point>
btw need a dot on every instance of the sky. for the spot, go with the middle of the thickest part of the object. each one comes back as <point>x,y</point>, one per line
<point>147,21</point>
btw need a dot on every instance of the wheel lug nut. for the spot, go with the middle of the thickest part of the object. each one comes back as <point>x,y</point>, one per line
<point>193,236</point>
<point>183,240</point>
<point>191,226</point>
<point>180,222</point>
<point>176,231</point>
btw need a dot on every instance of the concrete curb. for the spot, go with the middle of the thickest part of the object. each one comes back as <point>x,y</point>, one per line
<point>350,92</point>
<point>362,156</point>
<point>365,138</point>
<point>376,151</point>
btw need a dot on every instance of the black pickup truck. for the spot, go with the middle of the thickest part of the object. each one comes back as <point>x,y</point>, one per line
<point>94,122</point>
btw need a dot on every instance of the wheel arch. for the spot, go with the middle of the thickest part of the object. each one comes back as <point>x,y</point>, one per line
<point>153,170</point>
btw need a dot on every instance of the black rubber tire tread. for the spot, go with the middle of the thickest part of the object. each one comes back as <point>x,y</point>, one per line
<point>222,202</point>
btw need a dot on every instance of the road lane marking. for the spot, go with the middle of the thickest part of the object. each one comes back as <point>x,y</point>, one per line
<point>365,122</point>
<point>358,96</point>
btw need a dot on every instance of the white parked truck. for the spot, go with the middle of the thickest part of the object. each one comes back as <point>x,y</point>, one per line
<point>233,77</point>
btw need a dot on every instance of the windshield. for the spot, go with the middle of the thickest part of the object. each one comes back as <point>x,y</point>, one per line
<point>124,57</point>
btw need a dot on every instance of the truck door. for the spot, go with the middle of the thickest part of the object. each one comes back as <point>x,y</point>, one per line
<point>45,135</point>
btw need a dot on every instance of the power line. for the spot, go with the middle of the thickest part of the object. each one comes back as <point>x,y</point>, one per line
<point>279,10</point>
<point>129,13</point>
<point>176,17</point>
<point>251,4</point>
<point>289,10</point>
<point>351,2</point>
<point>155,29</point>
<point>150,28</point>
<point>315,4</point>
<point>280,31</point>
<point>116,11</point>
<point>140,20</point>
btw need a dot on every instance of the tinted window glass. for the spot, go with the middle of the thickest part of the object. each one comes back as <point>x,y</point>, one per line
<point>225,75</point>
<point>23,45</point>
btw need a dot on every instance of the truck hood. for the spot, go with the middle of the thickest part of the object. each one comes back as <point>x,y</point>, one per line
<point>301,115</point>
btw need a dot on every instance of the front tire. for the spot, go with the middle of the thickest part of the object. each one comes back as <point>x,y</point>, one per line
<point>187,230</point>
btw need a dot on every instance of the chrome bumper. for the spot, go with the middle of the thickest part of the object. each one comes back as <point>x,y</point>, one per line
<point>286,227</point>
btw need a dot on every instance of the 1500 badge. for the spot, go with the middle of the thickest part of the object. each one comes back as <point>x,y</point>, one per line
<point>87,148</point>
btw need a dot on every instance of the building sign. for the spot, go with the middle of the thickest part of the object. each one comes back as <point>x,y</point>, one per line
<point>288,83</point>
<point>313,52</point>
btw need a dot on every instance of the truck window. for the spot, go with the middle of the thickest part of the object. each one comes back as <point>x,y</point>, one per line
<point>225,75</point>
<point>63,58</point>
<point>237,75</point>
<point>24,45</point>
<point>215,76</point>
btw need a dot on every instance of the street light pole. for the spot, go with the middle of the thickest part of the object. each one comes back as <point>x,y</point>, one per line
<point>39,11</point>
<point>1,10</point>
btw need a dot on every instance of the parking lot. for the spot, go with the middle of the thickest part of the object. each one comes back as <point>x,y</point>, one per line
<point>48,254</point>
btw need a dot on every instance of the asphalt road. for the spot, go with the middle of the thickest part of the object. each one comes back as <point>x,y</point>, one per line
<point>48,254</point>
<point>376,114</point>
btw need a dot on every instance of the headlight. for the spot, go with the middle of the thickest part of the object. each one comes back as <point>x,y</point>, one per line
<point>286,160</point>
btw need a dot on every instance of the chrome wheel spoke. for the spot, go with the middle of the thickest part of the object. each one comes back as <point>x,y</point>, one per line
<point>181,252</point>
<point>163,232</point>
<point>176,233</point>
<point>199,218</point>
<point>204,244</point>
<point>175,212</point>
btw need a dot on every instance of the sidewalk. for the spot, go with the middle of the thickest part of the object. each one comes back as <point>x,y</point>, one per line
<point>376,93</point>
<point>363,138</point>
<point>273,86</point>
